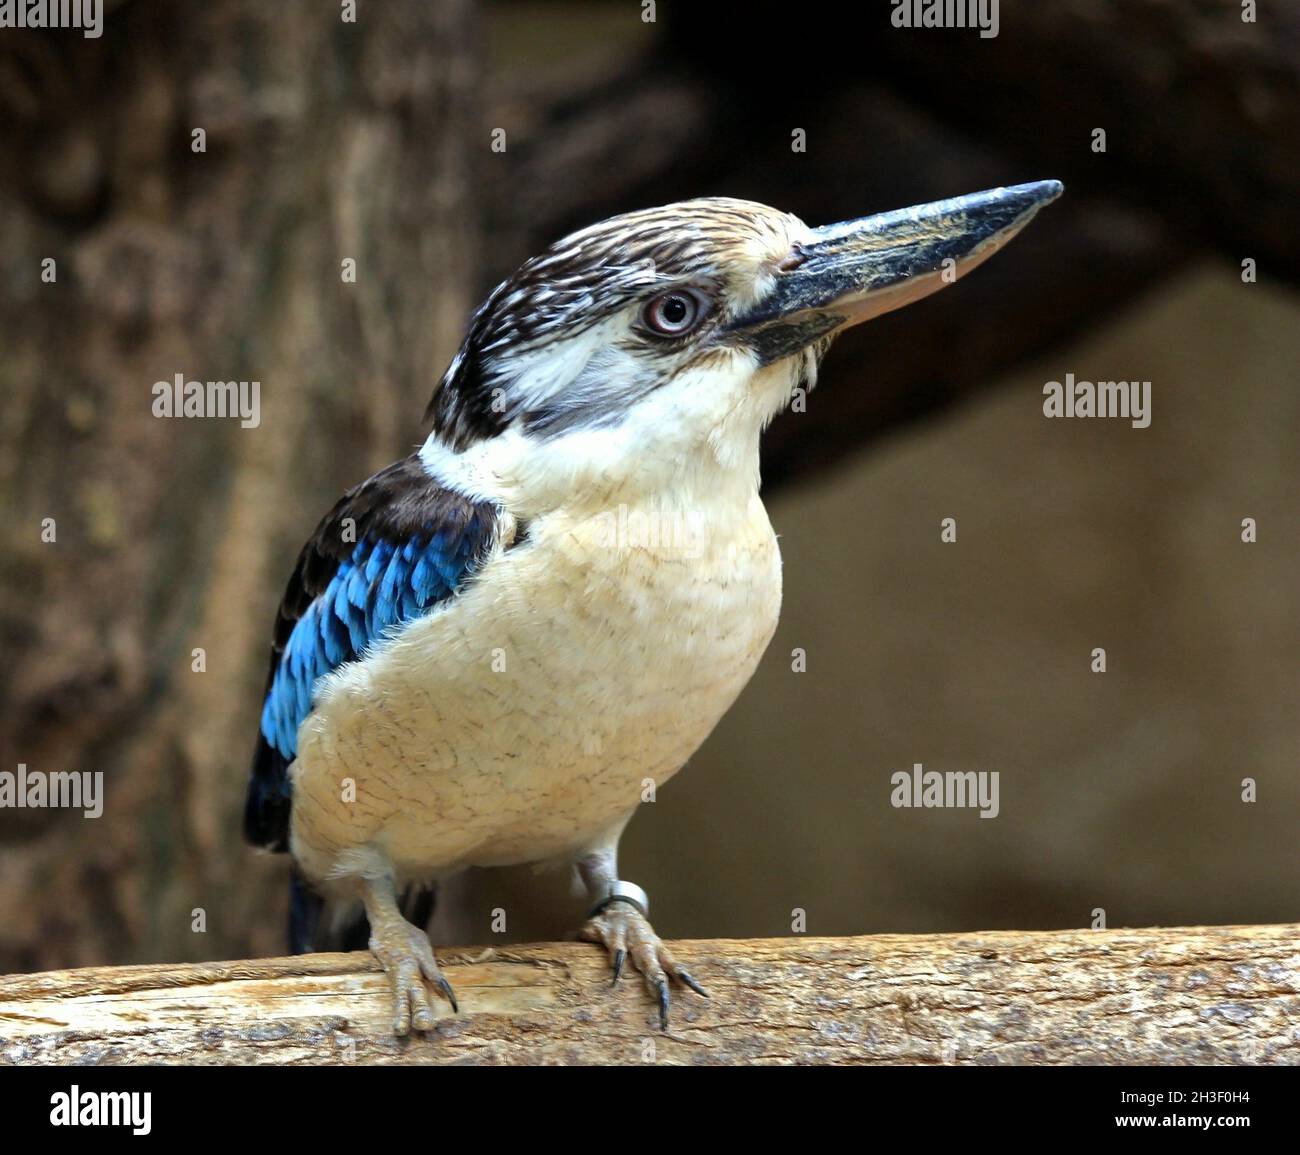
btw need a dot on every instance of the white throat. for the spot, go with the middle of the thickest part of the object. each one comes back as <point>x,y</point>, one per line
<point>694,441</point>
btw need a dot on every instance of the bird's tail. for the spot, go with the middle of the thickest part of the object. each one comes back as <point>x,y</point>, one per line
<point>310,931</point>
<point>305,910</point>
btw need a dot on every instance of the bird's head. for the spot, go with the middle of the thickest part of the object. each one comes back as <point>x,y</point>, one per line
<point>657,344</point>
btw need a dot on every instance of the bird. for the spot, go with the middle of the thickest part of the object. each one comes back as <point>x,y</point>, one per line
<point>488,650</point>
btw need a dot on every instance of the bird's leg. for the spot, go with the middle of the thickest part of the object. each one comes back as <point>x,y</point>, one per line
<point>618,922</point>
<point>406,956</point>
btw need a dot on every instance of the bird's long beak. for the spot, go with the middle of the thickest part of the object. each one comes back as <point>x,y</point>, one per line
<point>850,272</point>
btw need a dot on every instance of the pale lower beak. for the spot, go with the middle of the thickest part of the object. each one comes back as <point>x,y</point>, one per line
<point>850,272</point>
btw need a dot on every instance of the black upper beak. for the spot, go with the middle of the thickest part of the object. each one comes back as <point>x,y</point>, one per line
<point>852,271</point>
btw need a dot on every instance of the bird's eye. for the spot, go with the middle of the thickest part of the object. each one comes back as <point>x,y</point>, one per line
<point>674,313</point>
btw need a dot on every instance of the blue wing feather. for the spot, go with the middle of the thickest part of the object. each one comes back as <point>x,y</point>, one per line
<point>416,544</point>
<point>349,616</point>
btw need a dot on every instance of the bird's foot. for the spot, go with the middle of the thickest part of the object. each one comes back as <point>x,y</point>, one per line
<point>626,933</point>
<point>407,959</point>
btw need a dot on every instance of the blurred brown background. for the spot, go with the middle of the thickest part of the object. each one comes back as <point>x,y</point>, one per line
<point>328,140</point>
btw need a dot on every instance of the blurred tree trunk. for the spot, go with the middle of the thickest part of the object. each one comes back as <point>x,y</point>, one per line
<point>325,140</point>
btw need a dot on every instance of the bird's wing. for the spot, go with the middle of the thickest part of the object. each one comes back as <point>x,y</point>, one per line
<point>391,550</point>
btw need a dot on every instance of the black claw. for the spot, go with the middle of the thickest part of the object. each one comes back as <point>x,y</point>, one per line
<point>448,994</point>
<point>690,982</point>
<point>620,956</point>
<point>663,1004</point>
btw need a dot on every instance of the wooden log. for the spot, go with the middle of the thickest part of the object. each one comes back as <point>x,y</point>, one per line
<point>1222,995</point>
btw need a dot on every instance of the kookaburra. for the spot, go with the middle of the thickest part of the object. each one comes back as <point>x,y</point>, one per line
<point>488,649</point>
